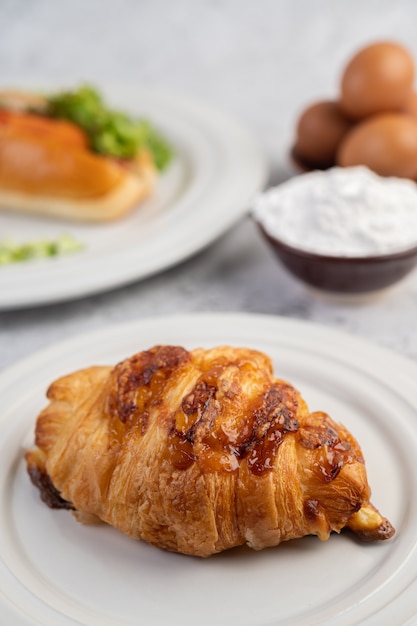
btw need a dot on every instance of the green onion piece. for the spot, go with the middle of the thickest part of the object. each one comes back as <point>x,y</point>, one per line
<point>13,252</point>
<point>109,132</point>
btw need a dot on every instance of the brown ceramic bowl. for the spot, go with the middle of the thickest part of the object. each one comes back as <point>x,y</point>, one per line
<point>344,275</point>
<point>303,165</point>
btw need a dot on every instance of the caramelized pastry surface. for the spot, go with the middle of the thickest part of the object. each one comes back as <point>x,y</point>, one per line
<point>197,452</point>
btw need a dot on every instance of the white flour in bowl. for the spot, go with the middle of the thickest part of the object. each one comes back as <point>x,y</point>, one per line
<point>349,212</point>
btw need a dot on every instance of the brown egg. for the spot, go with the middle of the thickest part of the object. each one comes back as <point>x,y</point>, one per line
<point>378,79</point>
<point>386,143</point>
<point>410,106</point>
<point>320,130</point>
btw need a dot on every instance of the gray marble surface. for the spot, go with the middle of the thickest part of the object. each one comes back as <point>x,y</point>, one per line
<point>260,61</point>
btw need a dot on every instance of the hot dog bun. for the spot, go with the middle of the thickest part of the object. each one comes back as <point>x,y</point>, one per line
<point>47,168</point>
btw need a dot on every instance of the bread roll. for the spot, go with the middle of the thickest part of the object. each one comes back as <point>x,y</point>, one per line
<point>47,168</point>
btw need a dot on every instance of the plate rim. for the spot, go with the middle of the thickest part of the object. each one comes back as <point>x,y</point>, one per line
<point>357,344</point>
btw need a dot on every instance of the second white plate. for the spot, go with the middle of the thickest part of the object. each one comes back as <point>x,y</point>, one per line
<point>217,169</point>
<point>56,572</point>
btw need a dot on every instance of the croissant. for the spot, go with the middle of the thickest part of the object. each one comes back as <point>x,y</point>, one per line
<point>197,452</point>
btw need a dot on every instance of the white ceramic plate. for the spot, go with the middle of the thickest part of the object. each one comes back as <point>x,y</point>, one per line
<point>56,572</point>
<point>216,171</point>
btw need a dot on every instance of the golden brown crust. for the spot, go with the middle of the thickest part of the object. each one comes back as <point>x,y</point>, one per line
<point>366,524</point>
<point>201,451</point>
<point>46,168</point>
<point>109,206</point>
<point>38,166</point>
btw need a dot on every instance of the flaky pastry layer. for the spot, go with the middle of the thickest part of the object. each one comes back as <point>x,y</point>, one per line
<point>197,452</point>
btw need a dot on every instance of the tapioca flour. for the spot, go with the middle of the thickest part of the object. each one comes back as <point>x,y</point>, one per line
<point>347,212</point>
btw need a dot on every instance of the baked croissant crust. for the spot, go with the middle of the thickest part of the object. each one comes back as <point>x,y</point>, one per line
<point>199,451</point>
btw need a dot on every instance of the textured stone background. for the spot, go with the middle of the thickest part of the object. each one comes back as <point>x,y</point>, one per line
<point>260,61</point>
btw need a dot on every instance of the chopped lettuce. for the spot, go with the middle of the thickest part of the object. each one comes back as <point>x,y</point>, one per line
<point>13,252</point>
<point>109,132</point>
